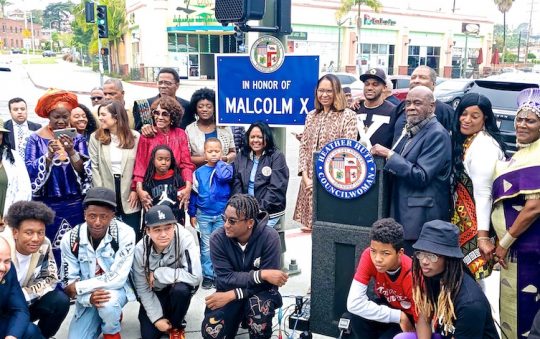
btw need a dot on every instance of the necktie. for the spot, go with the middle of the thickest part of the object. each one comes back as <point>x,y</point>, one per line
<point>20,141</point>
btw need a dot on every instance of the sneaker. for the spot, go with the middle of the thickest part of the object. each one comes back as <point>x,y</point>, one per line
<point>176,333</point>
<point>207,283</point>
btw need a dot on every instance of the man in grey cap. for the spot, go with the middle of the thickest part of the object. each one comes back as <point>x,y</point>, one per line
<point>166,273</point>
<point>445,292</point>
<point>376,113</point>
<point>96,260</point>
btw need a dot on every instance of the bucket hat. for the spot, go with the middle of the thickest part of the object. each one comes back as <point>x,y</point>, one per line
<point>439,237</point>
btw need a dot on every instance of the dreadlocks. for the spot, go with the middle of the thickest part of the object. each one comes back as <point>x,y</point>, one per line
<point>439,307</point>
<point>151,170</point>
<point>246,205</point>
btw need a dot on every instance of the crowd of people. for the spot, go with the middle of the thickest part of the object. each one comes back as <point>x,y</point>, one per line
<point>93,208</point>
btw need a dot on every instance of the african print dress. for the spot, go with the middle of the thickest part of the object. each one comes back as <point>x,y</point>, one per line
<point>59,186</point>
<point>320,129</point>
<point>472,198</point>
<point>517,181</point>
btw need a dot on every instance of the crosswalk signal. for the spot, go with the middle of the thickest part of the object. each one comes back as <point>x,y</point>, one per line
<point>103,28</point>
<point>239,11</point>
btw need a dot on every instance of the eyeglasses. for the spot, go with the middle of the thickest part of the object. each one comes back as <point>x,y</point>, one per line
<point>96,98</point>
<point>164,114</point>
<point>425,255</point>
<point>231,221</point>
<point>325,91</point>
<point>166,83</point>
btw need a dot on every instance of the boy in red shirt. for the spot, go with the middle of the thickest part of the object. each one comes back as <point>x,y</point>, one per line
<point>392,310</point>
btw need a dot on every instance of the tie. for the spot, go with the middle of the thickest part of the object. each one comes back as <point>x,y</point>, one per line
<point>20,141</point>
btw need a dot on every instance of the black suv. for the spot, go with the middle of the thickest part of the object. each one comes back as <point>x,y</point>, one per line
<point>503,92</point>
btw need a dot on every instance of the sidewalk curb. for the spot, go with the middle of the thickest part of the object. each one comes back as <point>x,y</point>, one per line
<point>46,87</point>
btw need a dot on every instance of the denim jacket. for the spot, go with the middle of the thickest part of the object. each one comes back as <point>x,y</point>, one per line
<point>117,266</point>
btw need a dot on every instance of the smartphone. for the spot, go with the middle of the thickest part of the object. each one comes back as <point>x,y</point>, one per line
<point>70,132</point>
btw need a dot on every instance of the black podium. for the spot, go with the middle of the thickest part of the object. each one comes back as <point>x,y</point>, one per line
<point>340,234</point>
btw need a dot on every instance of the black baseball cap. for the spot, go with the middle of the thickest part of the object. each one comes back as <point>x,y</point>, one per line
<point>374,73</point>
<point>159,215</point>
<point>100,195</point>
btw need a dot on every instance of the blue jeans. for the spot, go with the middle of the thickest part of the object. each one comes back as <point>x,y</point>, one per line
<point>90,322</point>
<point>272,222</point>
<point>207,225</point>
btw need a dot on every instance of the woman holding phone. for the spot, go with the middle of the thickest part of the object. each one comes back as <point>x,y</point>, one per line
<point>58,165</point>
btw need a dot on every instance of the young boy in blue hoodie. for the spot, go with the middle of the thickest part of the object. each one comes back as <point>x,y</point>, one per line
<point>210,192</point>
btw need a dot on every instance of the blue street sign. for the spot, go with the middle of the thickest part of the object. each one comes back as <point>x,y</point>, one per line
<point>283,97</point>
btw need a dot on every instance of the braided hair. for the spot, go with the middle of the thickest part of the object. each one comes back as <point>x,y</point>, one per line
<point>246,205</point>
<point>441,306</point>
<point>151,169</point>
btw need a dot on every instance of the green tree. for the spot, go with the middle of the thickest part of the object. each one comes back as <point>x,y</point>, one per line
<point>57,14</point>
<point>531,56</point>
<point>118,27</point>
<point>3,5</point>
<point>347,5</point>
<point>504,6</point>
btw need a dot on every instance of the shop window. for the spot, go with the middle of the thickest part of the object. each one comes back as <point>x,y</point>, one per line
<point>391,49</point>
<point>214,44</point>
<point>414,50</point>
<point>204,41</point>
<point>171,42</point>
<point>374,49</point>
<point>383,49</point>
<point>193,43</point>
<point>181,43</point>
<point>366,48</point>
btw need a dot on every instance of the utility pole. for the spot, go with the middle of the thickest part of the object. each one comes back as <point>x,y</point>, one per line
<point>529,33</point>
<point>100,57</point>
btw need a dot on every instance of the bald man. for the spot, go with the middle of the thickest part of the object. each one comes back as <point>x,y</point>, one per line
<point>420,162</point>
<point>14,316</point>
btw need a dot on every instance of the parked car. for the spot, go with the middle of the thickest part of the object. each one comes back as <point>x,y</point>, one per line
<point>401,85</point>
<point>48,53</point>
<point>503,93</point>
<point>452,90</point>
<point>350,80</point>
<point>16,51</point>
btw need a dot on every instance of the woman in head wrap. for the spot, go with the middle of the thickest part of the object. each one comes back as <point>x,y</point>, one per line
<point>515,217</point>
<point>59,168</point>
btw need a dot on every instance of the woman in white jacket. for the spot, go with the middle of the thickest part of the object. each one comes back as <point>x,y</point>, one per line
<point>14,179</point>
<point>477,146</point>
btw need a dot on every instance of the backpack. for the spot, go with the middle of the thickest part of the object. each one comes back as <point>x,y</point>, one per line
<point>75,237</point>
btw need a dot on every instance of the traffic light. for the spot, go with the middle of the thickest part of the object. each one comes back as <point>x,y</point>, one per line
<point>239,11</point>
<point>104,51</point>
<point>103,27</point>
<point>89,12</point>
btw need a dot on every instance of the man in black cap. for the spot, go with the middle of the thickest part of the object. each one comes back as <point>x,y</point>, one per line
<point>96,260</point>
<point>166,273</point>
<point>444,291</point>
<point>376,113</point>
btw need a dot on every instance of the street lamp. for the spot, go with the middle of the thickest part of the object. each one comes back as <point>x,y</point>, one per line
<point>340,23</point>
<point>50,32</point>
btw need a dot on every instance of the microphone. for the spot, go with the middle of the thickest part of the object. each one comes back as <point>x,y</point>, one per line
<point>344,324</point>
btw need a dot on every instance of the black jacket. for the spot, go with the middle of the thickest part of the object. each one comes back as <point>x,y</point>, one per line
<point>32,126</point>
<point>444,112</point>
<point>271,180</point>
<point>240,270</point>
<point>187,118</point>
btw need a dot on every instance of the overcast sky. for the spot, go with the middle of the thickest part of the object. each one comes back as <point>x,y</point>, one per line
<point>518,13</point>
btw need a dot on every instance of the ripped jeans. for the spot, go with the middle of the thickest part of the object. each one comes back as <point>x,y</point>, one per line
<point>254,313</point>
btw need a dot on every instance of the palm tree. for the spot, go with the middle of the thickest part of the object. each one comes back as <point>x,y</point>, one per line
<point>347,5</point>
<point>118,27</point>
<point>504,6</point>
<point>3,5</point>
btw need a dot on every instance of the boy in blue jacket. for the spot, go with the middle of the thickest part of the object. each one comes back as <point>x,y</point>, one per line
<point>210,192</point>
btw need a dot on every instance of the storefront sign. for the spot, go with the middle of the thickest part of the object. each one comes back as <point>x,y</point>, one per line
<point>368,20</point>
<point>345,168</point>
<point>297,36</point>
<point>267,86</point>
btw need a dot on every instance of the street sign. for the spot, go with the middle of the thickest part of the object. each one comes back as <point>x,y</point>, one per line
<point>280,98</point>
<point>27,43</point>
<point>26,33</point>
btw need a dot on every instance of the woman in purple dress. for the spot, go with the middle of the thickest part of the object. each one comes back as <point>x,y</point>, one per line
<point>59,167</point>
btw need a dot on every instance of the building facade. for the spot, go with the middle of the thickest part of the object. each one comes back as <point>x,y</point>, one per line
<point>13,34</point>
<point>184,34</point>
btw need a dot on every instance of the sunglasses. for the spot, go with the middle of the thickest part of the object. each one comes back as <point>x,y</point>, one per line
<point>231,221</point>
<point>164,114</point>
<point>96,98</point>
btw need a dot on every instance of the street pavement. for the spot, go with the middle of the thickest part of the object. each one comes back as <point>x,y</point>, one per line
<point>31,81</point>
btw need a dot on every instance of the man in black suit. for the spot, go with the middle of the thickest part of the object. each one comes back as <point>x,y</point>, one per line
<point>420,165</point>
<point>424,76</point>
<point>168,83</point>
<point>19,126</point>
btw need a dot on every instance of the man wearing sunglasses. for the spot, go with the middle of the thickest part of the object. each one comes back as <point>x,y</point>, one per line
<point>246,258</point>
<point>168,82</point>
<point>97,96</point>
